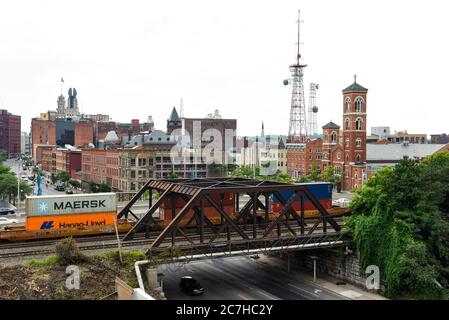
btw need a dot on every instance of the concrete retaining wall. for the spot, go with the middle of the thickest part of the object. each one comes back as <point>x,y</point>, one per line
<point>334,262</point>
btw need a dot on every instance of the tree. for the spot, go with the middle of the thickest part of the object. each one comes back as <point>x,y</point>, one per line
<point>63,177</point>
<point>2,156</point>
<point>397,224</point>
<point>8,187</point>
<point>104,187</point>
<point>74,183</point>
<point>4,169</point>
<point>328,175</point>
<point>245,171</point>
<point>172,175</point>
<point>314,173</point>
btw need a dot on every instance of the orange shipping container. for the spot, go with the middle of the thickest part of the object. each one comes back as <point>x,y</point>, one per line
<point>69,221</point>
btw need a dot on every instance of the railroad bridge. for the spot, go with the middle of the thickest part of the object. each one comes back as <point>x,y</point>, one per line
<point>206,216</point>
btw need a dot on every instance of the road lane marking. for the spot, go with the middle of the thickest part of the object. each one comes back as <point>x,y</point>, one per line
<point>301,289</point>
<point>269,296</point>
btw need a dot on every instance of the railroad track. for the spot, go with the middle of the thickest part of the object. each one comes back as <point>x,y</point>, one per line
<point>98,243</point>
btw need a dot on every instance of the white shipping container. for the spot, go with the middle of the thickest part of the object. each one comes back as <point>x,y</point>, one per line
<point>71,204</point>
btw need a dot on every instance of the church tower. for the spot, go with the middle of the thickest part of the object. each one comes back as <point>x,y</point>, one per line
<point>354,128</point>
<point>60,111</point>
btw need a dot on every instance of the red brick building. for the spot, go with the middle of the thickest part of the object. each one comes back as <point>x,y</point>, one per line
<point>344,149</point>
<point>100,166</point>
<point>10,133</point>
<point>84,133</point>
<point>43,132</point>
<point>43,156</point>
<point>303,157</point>
<point>68,161</point>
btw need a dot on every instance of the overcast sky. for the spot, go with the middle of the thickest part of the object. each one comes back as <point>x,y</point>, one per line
<point>131,59</point>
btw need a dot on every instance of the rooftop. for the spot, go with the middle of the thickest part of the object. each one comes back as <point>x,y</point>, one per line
<point>397,151</point>
<point>331,125</point>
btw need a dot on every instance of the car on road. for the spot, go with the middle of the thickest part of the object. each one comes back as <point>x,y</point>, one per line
<point>69,191</point>
<point>6,208</point>
<point>191,286</point>
<point>4,221</point>
<point>342,202</point>
<point>60,188</point>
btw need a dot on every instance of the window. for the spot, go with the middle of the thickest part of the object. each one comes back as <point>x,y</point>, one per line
<point>337,170</point>
<point>358,124</point>
<point>334,137</point>
<point>326,137</point>
<point>359,105</point>
<point>347,142</point>
<point>358,142</point>
<point>338,155</point>
<point>348,105</point>
<point>347,123</point>
<point>358,158</point>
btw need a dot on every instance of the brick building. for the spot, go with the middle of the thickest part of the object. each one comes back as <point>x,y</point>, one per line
<point>344,149</point>
<point>60,132</point>
<point>68,161</point>
<point>302,158</point>
<point>439,138</point>
<point>84,133</point>
<point>10,134</point>
<point>214,136</point>
<point>43,156</point>
<point>100,166</point>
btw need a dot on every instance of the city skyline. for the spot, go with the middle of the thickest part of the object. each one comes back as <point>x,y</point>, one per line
<point>142,59</point>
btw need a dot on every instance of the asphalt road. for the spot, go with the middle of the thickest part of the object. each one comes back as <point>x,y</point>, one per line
<point>242,278</point>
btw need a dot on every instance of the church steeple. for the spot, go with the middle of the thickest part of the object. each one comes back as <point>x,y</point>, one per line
<point>173,122</point>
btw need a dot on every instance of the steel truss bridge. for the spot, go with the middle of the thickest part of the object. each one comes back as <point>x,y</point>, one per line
<point>253,228</point>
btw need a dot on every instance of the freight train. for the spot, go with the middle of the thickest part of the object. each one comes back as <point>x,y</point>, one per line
<point>95,214</point>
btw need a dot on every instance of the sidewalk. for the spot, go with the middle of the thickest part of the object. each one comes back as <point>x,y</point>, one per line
<point>346,290</point>
<point>326,282</point>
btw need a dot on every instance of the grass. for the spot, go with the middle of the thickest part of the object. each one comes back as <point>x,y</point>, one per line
<point>49,261</point>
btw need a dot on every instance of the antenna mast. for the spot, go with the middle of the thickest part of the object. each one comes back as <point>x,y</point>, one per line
<point>312,110</point>
<point>181,108</point>
<point>297,132</point>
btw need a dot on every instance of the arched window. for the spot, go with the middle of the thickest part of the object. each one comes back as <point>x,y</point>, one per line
<point>326,137</point>
<point>347,123</point>
<point>348,105</point>
<point>333,137</point>
<point>358,142</point>
<point>347,142</point>
<point>359,105</point>
<point>358,124</point>
<point>337,170</point>
<point>338,155</point>
<point>358,158</point>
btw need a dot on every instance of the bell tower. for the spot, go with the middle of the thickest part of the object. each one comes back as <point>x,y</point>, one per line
<point>354,125</point>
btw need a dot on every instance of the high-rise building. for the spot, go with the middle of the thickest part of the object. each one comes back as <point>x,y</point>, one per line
<point>10,136</point>
<point>72,104</point>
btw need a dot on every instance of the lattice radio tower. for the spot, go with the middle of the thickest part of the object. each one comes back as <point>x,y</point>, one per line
<point>297,131</point>
<point>312,110</point>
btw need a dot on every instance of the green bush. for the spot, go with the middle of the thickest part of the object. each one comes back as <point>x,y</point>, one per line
<point>67,252</point>
<point>398,225</point>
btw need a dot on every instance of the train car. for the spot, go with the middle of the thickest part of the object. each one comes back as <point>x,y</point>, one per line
<point>322,191</point>
<point>227,201</point>
<point>67,215</point>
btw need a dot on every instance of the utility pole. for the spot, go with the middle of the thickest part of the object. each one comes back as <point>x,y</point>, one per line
<point>18,184</point>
